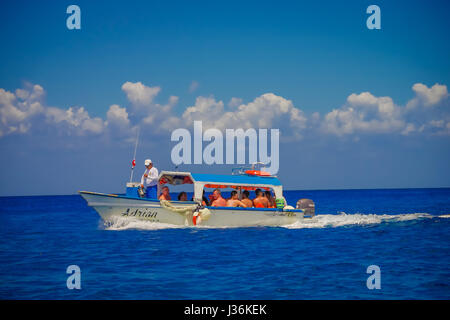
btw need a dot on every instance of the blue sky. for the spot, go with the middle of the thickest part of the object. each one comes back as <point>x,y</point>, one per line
<point>315,55</point>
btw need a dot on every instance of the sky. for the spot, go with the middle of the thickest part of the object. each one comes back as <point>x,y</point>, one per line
<point>356,108</point>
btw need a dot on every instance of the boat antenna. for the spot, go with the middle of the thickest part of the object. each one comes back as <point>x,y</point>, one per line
<point>133,163</point>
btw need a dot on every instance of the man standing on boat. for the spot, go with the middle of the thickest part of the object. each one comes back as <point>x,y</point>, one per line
<point>149,180</point>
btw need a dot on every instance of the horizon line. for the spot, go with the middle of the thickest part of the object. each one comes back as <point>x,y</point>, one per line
<point>343,189</point>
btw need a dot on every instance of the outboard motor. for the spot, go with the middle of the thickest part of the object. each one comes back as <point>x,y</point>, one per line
<point>307,205</point>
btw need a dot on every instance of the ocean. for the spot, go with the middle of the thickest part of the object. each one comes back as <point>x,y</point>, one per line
<point>405,232</point>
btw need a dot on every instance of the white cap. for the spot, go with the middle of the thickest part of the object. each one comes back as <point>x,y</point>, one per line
<point>147,162</point>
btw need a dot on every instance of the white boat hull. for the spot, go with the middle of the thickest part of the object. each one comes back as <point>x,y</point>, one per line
<point>111,207</point>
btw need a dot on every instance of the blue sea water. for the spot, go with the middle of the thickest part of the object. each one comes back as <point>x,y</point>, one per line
<point>406,232</point>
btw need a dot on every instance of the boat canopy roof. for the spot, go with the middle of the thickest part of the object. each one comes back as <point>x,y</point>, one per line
<point>175,178</point>
<point>244,179</point>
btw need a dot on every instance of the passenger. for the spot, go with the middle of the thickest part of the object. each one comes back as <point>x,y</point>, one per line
<point>218,201</point>
<point>149,180</point>
<point>182,196</point>
<point>165,194</point>
<point>269,197</point>
<point>245,199</point>
<point>260,201</point>
<point>234,201</point>
<point>205,201</point>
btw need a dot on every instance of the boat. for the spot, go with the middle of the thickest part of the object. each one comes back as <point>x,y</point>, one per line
<point>132,204</point>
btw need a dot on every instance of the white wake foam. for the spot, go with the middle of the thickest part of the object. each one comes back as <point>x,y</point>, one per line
<point>343,219</point>
<point>122,223</point>
<point>319,221</point>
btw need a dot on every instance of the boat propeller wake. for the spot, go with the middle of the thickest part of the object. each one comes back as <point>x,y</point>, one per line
<point>356,219</point>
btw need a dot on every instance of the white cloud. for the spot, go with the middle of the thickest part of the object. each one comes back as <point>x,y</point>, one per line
<point>117,117</point>
<point>16,110</point>
<point>437,127</point>
<point>24,110</point>
<point>76,120</point>
<point>153,117</point>
<point>427,112</point>
<point>429,96</point>
<point>94,125</point>
<point>235,102</point>
<point>266,111</point>
<point>140,94</point>
<point>206,109</point>
<point>429,109</point>
<point>365,113</point>
<point>157,113</point>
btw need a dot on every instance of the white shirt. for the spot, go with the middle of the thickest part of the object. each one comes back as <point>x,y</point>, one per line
<point>152,178</point>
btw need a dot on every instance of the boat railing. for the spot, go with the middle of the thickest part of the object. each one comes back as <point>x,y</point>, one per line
<point>240,170</point>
